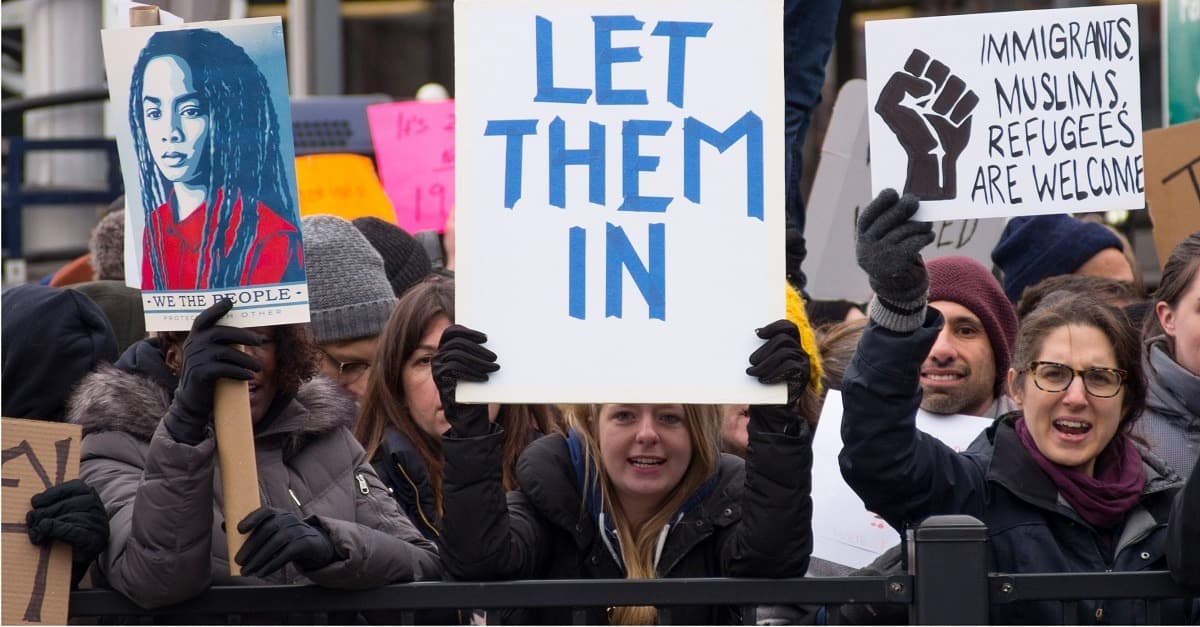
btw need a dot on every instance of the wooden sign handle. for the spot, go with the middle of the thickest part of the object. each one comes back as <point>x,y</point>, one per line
<point>143,16</point>
<point>235,451</point>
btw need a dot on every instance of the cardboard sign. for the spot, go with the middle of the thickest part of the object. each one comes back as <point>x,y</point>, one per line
<point>37,580</point>
<point>341,185</point>
<point>205,139</point>
<point>620,196</point>
<point>1172,187</point>
<point>1006,114</point>
<point>1180,61</point>
<point>414,147</point>
<point>844,531</point>
<point>842,189</point>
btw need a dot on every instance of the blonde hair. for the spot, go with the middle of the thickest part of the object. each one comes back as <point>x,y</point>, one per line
<point>638,545</point>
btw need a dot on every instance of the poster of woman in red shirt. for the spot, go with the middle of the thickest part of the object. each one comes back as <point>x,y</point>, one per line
<point>219,213</point>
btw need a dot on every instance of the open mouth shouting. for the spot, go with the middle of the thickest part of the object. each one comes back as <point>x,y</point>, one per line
<point>646,464</point>
<point>1071,429</point>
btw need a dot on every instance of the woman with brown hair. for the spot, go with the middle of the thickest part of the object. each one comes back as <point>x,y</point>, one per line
<point>634,491</point>
<point>401,421</point>
<point>1172,357</point>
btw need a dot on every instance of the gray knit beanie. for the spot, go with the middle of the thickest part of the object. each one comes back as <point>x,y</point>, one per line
<point>349,294</point>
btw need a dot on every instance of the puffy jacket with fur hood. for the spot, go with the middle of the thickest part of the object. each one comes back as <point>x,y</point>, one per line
<point>164,497</point>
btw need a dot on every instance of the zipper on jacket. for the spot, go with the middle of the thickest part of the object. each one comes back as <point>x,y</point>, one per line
<point>294,499</point>
<point>362,483</point>
<point>417,500</point>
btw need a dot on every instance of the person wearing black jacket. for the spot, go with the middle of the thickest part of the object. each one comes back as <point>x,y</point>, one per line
<point>1060,484</point>
<point>1183,540</point>
<point>632,491</point>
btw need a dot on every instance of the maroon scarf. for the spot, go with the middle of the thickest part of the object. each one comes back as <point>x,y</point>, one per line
<point>1105,500</point>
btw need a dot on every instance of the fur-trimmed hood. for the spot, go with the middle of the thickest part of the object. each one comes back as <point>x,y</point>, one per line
<point>111,399</point>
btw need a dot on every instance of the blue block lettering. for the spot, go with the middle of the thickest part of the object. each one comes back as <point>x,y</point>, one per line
<point>649,278</point>
<point>748,126</point>
<point>633,163</point>
<point>576,273</point>
<point>546,91</point>
<point>677,33</point>
<point>515,131</point>
<point>606,56</point>
<point>560,158</point>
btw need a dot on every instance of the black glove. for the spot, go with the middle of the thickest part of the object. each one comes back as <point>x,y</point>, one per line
<point>795,252</point>
<point>461,357</point>
<point>73,513</point>
<point>889,250</point>
<point>278,537</point>
<point>208,354</point>
<point>781,360</point>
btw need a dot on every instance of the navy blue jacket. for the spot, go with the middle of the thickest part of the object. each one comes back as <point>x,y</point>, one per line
<point>905,476</point>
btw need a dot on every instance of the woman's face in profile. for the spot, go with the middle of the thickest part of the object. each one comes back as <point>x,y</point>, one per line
<point>175,118</point>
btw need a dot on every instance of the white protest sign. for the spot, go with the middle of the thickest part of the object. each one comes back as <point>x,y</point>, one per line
<point>844,532</point>
<point>842,188</point>
<point>1006,114</point>
<point>619,196</point>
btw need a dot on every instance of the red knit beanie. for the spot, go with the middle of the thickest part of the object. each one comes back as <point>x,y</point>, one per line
<point>965,281</point>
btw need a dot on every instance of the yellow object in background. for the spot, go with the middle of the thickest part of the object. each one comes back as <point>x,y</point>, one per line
<point>342,185</point>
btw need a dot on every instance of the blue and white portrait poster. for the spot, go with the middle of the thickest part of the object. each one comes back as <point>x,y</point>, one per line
<point>205,137</point>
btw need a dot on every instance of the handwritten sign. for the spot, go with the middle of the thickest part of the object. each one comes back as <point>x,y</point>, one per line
<point>1005,114</point>
<point>1173,184</point>
<point>341,185</point>
<point>620,172</point>
<point>205,138</point>
<point>37,580</point>
<point>414,146</point>
<point>844,532</point>
<point>842,189</point>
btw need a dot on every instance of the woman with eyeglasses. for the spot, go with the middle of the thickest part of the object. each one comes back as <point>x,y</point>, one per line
<point>1172,357</point>
<point>401,420</point>
<point>1060,483</point>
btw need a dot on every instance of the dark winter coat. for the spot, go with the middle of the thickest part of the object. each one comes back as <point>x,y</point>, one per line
<point>164,497</point>
<point>403,470</point>
<point>754,521</point>
<point>1171,422</point>
<point>905,476</point>
<point>1183,545</point>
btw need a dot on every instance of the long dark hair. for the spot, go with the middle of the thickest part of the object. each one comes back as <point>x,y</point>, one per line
<point>384,404</point>
<point>242,154</point>
<point>1177,276</point>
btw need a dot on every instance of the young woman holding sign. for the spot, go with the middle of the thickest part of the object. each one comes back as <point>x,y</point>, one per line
<point>632,491</point>
<point>219,212</point>
<point>401,422</point>
<point>1060,484</point>
<point>148,448</point>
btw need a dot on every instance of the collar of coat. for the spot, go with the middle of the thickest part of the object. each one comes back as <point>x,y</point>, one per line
<point>111,399</point>
<point>1012,467</point>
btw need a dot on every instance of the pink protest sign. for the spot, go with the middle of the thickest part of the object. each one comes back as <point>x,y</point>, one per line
<point>414,147</point>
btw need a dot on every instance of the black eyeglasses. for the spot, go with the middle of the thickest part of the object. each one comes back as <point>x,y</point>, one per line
<point>348,371</point>
<point>1051,376</point>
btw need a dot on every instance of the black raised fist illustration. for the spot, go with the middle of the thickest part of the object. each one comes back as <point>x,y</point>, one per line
<point>929,110</point>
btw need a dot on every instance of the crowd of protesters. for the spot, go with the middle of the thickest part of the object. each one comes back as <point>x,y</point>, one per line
<point>1086,388</point>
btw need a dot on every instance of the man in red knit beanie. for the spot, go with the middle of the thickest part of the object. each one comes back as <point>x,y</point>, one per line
<point>965,370</point>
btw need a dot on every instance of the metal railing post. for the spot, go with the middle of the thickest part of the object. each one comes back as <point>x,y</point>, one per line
<point>948,558</point>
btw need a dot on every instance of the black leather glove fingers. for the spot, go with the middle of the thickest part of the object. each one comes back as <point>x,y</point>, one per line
<point>210,353</point>
<point>889,247</point>
<point>278,537</point>
<point>462,357</point>
<point>781,359</point>
<point>73,513</point>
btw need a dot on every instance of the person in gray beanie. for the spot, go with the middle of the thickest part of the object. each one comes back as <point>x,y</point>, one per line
<point>107,247</point>
<point>350,298</point>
